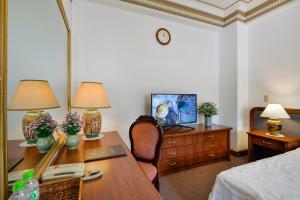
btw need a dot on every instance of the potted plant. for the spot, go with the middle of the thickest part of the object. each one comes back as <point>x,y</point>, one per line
<point>72,126</point>
<point>43,128</point>
<point>208,109</point>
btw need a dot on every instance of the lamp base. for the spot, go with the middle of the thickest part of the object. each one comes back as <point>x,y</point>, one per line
<point>29,118</point>
<point>274,126</point>
<point>92,122</point>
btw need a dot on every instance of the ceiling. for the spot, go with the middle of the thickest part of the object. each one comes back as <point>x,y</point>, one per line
<point>223,4</point>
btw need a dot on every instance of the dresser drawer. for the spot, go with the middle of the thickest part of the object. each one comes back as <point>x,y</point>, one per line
<point>214,154</point>
<point>175,152</point>
<point>170,142</point>
<point>206,156</point>
<point>172,163</point>
<point>193,139</point>
<point>216,136</point>
<point>268,143</point>
<point>210,145</point>
<point>173,142</point>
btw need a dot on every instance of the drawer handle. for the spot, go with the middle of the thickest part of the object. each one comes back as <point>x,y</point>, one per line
<point>172,142</point>
<point>211,146</point>
<point>212,155</point>
<point>172,153</point>
<point>173,163</point>
<point>211,136</point>
<point>265,142</point>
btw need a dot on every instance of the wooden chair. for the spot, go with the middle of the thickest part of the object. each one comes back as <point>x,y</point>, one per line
<point>146,138</point>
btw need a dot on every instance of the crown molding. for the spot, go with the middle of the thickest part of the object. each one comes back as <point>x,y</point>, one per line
<point>201,16</point>
<point>219,7</point>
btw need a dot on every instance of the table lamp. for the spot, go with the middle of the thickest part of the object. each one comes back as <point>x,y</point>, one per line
<point>91,96</point>
<point>32,96</point>
<point>274,112</point>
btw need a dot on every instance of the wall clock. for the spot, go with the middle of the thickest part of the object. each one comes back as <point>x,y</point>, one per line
<point>163,36</point>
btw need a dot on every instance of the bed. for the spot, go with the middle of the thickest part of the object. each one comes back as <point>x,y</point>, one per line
<point>273,178</point>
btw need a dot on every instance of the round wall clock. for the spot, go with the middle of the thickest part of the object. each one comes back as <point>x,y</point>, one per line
<point>163,36</point>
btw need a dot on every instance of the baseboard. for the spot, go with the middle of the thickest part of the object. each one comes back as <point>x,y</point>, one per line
<point>239,153</point>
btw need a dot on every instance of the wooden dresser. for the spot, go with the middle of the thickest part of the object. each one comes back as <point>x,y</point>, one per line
<point>185,148</point>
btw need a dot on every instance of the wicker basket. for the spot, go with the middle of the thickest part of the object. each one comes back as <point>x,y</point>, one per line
<point>67,189</point>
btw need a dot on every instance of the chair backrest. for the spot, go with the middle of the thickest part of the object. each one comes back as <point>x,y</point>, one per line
<point>146,137</point>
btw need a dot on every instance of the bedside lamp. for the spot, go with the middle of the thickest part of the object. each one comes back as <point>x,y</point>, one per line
<point>274,112</point>
<point>91,96</point>
<point>32,96</point>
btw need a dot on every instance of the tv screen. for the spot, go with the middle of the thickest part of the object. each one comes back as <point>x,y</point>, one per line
<point>174,109</point>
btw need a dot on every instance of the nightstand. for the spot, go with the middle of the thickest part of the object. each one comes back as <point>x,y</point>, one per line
<point>261,145</point>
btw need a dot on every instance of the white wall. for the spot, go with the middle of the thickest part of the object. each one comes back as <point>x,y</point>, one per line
<point>274,59</point>
<point>242,87</point>
<point>234,83</point>
<point>118,48</point>
<point>37,49</point>
<point>228,81</point>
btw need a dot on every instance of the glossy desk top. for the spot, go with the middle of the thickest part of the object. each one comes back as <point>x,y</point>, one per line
<point>122,176</point>
<point>30,154</point>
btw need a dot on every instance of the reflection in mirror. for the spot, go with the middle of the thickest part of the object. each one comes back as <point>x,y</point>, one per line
<point>37,50</point>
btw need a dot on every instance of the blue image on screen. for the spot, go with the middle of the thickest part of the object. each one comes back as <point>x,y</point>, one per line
<point>173,109</point>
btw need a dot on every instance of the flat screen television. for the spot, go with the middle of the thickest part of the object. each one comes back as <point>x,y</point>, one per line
<point>174,109</point>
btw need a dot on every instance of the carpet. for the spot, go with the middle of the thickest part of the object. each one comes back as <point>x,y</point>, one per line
<point>196,183</point>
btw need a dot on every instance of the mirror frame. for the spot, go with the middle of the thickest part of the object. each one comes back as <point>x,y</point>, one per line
<point>50,156</point>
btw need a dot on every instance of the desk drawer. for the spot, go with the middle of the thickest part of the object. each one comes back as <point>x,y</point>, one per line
<point>268,143</point>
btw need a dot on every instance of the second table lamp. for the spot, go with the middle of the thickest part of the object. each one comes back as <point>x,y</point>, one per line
<point>91,96</point>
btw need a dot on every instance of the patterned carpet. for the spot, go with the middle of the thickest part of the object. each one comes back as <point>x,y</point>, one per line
<point>197,183</point>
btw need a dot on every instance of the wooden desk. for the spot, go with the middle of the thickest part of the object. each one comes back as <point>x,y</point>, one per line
<point>122,176</point>
<point>30,154</point>
<point>261,145</point>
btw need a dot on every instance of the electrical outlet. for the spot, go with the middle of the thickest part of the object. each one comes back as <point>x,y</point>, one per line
<point>266,98</point>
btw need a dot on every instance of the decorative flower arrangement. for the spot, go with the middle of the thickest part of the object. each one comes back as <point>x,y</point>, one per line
<point>208,109</point>
<point>44,125</point>
<point>72,124</point>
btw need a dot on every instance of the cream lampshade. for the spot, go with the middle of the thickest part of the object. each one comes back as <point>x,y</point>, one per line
<point>274,112</point>
<point>32,96</point>
<point>91,96</point>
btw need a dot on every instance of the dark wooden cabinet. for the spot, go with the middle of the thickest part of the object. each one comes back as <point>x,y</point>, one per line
<point>261,145</point>
<point>185,148</point>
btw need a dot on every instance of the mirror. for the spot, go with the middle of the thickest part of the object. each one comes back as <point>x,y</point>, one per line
<point>37,49</point>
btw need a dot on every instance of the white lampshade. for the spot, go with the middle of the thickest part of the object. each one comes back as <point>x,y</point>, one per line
<point>33,95</point>
<point>275,111</point>
<point>91,95</point>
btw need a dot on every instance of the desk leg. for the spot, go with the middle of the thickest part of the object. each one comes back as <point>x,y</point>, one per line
<point>250,149</point>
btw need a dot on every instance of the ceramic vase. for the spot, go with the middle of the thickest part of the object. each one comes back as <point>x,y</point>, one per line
<point>72,141</point>
<point>43,144</point>
<point>92,121</point>
<point>207,121</point>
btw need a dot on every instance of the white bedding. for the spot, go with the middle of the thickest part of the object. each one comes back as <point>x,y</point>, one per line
<point>273,178</point>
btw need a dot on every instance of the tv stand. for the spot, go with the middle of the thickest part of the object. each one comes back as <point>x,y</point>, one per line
<point>179,126</point>
<point>185,148</point>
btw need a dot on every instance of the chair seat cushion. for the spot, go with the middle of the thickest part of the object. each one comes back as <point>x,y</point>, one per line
<point>149,170</point>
